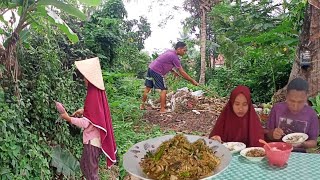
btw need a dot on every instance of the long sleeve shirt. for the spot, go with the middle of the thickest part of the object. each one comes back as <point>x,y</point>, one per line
<point>91,134</point>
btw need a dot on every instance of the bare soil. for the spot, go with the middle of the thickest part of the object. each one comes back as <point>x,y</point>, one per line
<point>187,122</point>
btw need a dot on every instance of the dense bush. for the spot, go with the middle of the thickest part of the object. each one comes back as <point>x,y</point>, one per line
<point>30,124</point>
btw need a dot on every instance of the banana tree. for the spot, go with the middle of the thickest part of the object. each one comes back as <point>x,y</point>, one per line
<point>26,14</point>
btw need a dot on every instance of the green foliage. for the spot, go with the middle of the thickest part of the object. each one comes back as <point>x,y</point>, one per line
<point>30,127</point>
<point>316,103</point>
<point>136,32</point>
<point>64,7</point>
<point>55,19</point>
<point>296,9</point>
<point>219,84</point>
<point>33,12</point>
<point>128,129</point>
<point>130,59</point>
<point>47,74</point>
<point>124,92</point>
<point>117,42</point>
<point>64,162</point>
<point>258,56</point>
<point>5,2</point>
<point>102,35</point>
<point>91,2</point>
<point>113,9</point>
<point>23,152</point>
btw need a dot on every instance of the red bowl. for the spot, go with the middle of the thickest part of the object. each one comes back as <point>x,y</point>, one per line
<point>280,156</point>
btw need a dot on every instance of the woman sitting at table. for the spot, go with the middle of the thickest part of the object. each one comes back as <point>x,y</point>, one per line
<point>238,122</point>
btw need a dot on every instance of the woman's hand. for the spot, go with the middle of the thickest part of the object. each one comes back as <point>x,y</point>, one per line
<point>217,138</point>
<point>65,116</point>
<point>78,113</point>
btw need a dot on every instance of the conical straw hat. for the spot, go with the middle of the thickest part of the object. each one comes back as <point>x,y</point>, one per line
<point>91,70</point>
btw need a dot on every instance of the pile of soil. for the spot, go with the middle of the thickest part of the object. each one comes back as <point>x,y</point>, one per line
<point>189,112</point>
<point>188,122</point>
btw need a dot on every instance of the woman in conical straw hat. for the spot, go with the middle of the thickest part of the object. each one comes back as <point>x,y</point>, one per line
<point>96,120</point>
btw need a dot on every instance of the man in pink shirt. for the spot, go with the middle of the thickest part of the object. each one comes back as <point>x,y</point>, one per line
<point>159,68</point>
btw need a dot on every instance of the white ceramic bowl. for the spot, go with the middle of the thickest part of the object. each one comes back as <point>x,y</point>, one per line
<point>295,138</point>
<point>234,147</point>
<point>254,159</point>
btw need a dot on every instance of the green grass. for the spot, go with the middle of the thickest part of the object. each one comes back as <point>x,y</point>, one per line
<point>124,92</point>
<point>128,127</point>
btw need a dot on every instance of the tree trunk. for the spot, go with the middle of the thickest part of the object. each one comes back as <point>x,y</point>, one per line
<point>9,78</point>
<point>205,6</point>
<point>203,37</point>
<point>309,40</point>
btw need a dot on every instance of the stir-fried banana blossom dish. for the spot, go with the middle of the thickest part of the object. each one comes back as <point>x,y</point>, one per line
<point>177,158</point>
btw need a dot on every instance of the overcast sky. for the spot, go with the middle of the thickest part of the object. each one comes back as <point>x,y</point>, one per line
<point>160,37</point>
<point>156,12</point>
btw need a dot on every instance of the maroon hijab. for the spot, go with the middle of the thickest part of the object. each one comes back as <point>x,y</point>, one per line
<point>232,128</point>
<point>96,109</point>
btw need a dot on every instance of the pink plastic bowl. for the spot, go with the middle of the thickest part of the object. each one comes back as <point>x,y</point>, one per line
<point>280,156</point>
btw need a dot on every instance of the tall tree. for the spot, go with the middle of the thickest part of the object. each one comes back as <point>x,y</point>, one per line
<point>258,41</point>
<point>199,10</point>
<point>309,41</point>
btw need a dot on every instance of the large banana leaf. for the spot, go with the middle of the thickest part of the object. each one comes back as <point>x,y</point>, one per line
<point>64,161</point>
<point>4,170</point>
<point>91,2</point>
<point>2,20</point>
<point>64,7</point>
<point>10,5</point>
<point>62,26</point>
